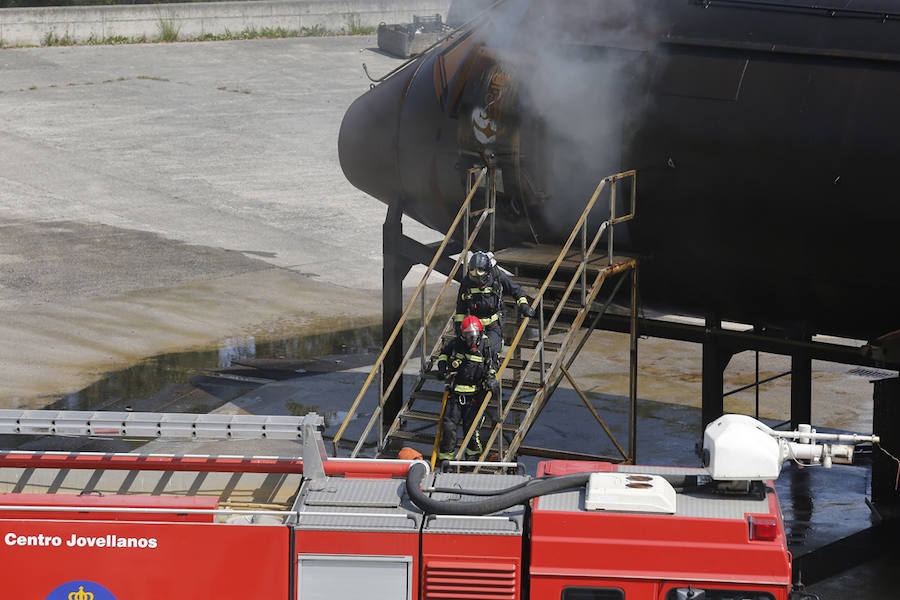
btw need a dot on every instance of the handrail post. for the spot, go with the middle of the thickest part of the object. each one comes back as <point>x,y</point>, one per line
<point>633,195</point>
<point>380,405</point>
<point>541,336</point>
<point>584,262</point>
<point>633,363</point>
<point>424,335</point>
<point>499,415</point>
<point>468,211</point>
<point>491,204</point>
<point>612,218</point>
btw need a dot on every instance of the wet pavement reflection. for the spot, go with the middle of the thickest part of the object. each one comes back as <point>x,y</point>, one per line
<point>198,381</point>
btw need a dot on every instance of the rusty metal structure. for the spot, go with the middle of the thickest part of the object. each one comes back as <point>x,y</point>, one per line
<point>566,280</point>
<point>764,132</point>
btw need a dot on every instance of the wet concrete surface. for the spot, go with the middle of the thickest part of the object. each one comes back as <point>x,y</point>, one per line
<point>159,198</point>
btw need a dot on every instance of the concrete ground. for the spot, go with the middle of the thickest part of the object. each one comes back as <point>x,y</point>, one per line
<point>163,197</point>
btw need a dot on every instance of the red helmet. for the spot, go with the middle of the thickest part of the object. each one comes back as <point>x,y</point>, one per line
<point>471,330</point>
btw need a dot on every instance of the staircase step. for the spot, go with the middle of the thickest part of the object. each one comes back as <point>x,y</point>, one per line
<point>520,363</point>
<point>514,363</point>
<point>508,384</point>
<point>428,417</point>
<point>550,346</point>
<point>528,386</point>
<point>508,338</point>
<point>419,415</point>
<point>537,282</point>
<point>413,436</point>
<point>518,406</point>
<point>541,256</point>
<point>550,304</point>
<point>432,395</point>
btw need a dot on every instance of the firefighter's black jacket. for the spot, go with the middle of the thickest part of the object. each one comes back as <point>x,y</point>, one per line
<point>486,302</point>
<point>475,369</point>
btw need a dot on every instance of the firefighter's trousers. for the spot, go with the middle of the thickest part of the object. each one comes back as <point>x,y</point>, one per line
<point>460,408</point>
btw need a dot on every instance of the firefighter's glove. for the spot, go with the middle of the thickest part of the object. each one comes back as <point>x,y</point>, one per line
<point>525,310</point>
<point>443,371</point>
<point>494,386</point>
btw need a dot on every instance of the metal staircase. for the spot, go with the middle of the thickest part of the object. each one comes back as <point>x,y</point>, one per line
<point>477,179</point>
<point>533,365</point>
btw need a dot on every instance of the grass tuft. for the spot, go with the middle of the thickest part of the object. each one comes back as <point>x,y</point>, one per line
<point>168,29</point>
<point>51,39</point>
<point>354,27</point>
<point>314,31</point>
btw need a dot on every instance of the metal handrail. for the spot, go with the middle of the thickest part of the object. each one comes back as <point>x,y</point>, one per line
<point>419,335</point>
<point>464,211</point>
<point>580,227</point>
<point>541,395</point>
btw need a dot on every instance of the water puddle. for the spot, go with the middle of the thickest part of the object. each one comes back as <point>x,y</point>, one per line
<point>167,382</point>
<point>201,381</point>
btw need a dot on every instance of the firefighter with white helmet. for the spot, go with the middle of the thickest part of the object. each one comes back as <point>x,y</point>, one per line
<point>481,295</point>
<point>473,364</point>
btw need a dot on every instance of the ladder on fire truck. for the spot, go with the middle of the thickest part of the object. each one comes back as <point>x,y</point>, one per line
<point>531,366</point>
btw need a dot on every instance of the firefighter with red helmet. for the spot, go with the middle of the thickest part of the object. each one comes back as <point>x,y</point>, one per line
<point>481,294</point>
<point>473,365</point>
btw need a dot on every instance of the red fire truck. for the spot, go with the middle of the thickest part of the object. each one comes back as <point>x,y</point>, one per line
<point>99,526</point>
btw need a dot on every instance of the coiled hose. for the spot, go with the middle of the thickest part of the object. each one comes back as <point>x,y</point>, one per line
<point>517,494</point>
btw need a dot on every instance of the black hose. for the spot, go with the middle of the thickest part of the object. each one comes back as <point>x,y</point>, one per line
<point>504,499</point>
<point>468,492</point>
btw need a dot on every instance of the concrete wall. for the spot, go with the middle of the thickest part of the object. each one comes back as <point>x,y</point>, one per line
<point>31,26</point>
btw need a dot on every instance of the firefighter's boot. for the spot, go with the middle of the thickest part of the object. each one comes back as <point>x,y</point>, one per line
<point>474,449</point>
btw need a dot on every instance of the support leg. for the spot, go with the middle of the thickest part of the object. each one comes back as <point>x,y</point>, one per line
<point>715,358</point>
<point>885,421</point>
<point>394,270</point>
<point>801,387</point>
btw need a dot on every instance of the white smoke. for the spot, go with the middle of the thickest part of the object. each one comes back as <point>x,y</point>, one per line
<point>589,58</point>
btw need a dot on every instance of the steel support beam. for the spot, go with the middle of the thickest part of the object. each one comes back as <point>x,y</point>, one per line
<point>395,268</point>
<point>400,253</point>
<point>747,340</point>
<point>633,369</point>
<point>716,355</point>
<point>886,424</point>
<point>801,385</point>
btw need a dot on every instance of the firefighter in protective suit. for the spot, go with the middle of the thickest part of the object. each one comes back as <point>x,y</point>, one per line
<point>473,363</point>
<point>481,295</point>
